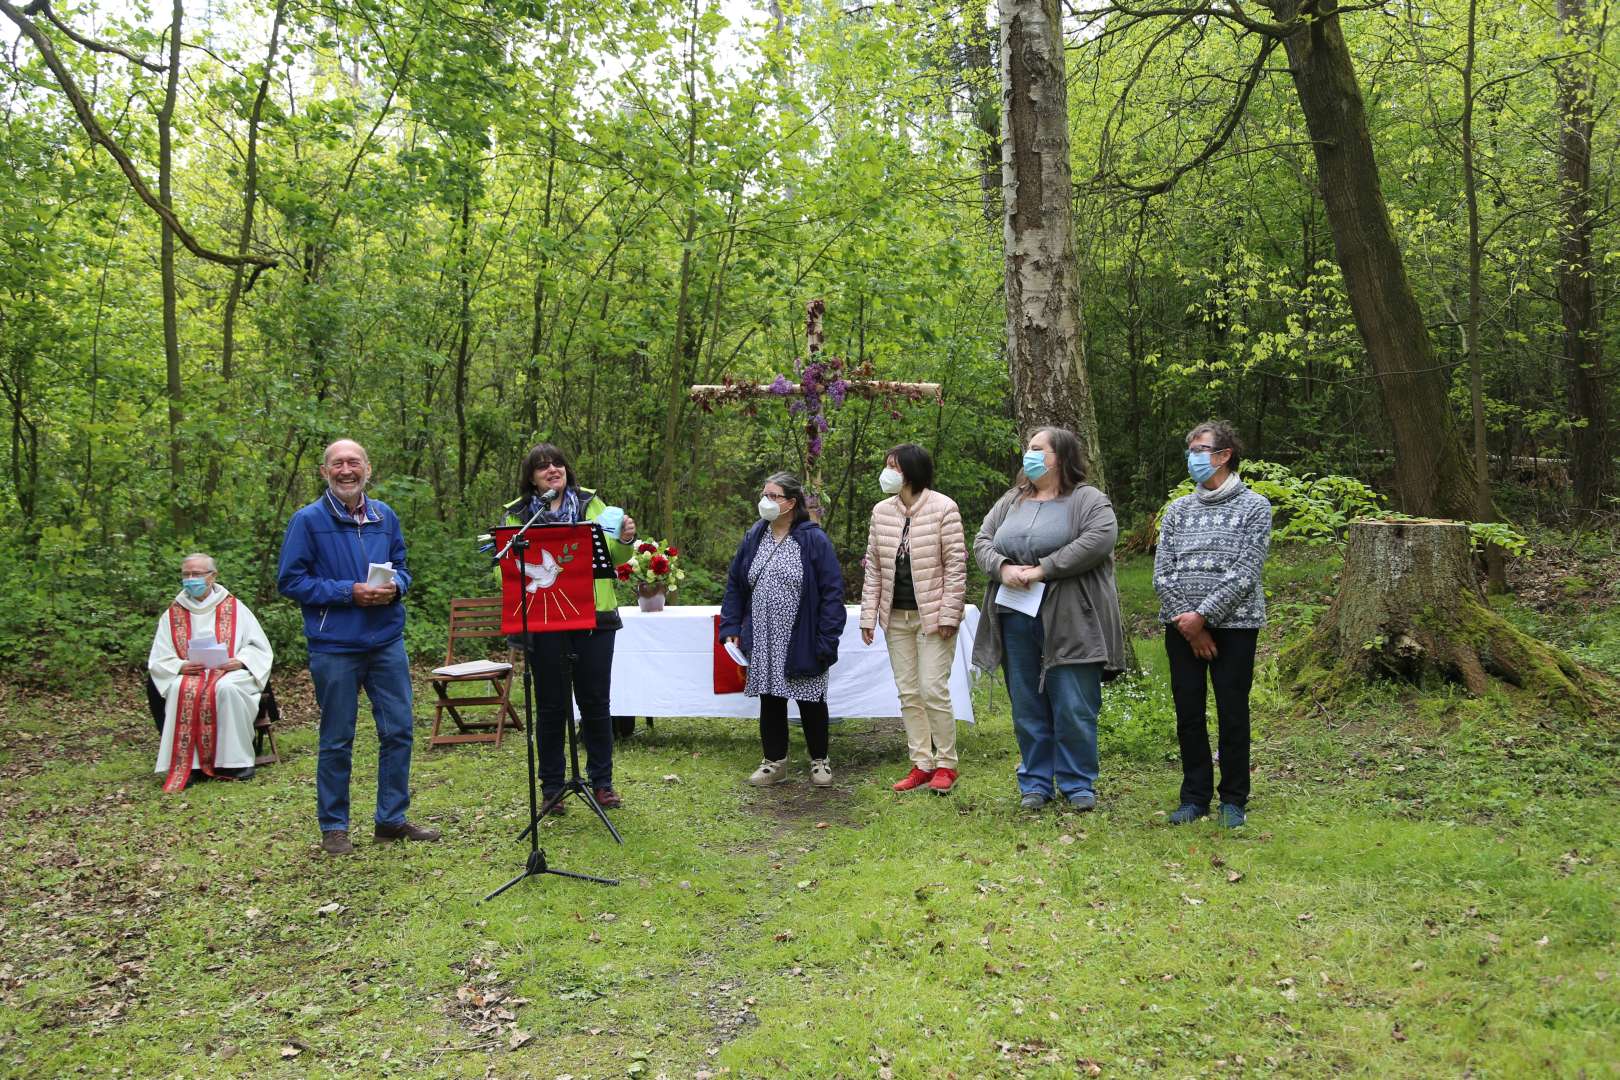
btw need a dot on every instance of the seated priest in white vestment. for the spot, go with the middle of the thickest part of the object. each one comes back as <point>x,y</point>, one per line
<point>210,660</point>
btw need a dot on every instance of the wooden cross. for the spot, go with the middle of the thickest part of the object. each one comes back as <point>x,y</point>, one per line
<point>817,379</point>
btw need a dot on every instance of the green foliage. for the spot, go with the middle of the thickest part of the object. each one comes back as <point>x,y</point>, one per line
<point>1314,510</point>
<point>508,221</point>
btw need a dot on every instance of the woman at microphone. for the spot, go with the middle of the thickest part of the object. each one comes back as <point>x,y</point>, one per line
<point>547,486</point>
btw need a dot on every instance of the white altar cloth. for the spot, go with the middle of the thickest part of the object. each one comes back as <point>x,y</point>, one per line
<point>663,665</point>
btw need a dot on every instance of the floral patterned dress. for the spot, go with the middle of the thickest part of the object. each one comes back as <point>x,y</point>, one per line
<point>777,578</point>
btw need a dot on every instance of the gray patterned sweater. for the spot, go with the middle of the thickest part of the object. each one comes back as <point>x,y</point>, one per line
<point>1210,558</point>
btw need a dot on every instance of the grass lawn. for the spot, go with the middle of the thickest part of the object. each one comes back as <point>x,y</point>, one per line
<point>1426,887</point>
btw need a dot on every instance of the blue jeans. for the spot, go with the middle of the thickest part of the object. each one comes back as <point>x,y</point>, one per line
<point>338,677</point>
<point>1056,727</point>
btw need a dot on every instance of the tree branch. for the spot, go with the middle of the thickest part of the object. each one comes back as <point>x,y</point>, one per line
<point>1229,123</point>
<point>43,7</point>
<point>99,136</point>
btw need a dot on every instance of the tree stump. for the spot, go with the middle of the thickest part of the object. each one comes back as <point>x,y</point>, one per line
<point>1410,608</point>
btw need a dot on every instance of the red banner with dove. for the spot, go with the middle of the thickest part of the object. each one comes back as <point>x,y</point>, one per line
<point>556,581</point>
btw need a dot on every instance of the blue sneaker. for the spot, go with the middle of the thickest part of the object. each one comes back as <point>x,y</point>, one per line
<point>1187,813</point>
<point>1033,800</point>
<point>1083,801</point>
<point>1232,815</point>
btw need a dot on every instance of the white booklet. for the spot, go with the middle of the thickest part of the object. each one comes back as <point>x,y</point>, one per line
<point>736,655</point>
<point>206,651</point>
<point>381,573</point>
<point>1026,600</point>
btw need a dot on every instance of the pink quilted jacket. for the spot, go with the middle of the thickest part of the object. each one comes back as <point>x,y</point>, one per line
<point>938,561</point>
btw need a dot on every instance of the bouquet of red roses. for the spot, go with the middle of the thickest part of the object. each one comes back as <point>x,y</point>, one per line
<point>652,565</point>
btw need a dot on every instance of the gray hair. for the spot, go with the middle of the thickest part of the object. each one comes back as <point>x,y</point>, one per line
<point>792,489</point>
<point>205,557</point>
<point>326,455</point>
<point>1222,436</point>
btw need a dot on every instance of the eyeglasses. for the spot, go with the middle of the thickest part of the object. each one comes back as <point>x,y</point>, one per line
<point>773,498</point>
<point>1202,448</point>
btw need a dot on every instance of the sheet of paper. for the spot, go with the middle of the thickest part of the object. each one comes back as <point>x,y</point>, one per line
<point>473,667</point>
<point>207,652</point>
<point>380,573</point>
<point>736,655</point>
<point>1027,600</point>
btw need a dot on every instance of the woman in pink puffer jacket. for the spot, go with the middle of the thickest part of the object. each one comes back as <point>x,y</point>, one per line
<point>914,588</point>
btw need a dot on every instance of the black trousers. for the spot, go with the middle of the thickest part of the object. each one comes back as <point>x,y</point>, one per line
<point>773,726</point>
<point>570,666</point>
<point>1231,673</point>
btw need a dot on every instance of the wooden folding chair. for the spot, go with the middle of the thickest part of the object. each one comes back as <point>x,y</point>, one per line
<point>264,732</point>
<point>470,618</point>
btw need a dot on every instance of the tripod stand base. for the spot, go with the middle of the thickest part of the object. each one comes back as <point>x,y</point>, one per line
<point>580,788</point>
<point>537,866</point>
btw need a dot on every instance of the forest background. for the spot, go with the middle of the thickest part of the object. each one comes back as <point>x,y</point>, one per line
<point>497,222</point>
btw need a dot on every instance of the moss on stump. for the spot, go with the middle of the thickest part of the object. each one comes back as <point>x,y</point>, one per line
<point>1409,608</point>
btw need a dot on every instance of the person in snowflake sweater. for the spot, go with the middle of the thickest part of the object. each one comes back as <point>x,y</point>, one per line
<point>1207,571</point>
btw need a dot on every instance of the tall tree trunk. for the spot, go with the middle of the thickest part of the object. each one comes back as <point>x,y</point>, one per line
<point>171,318</point>
<point>979,76</point>
<point>675,397</point>
<point>677,385</point>
<point>1591,464</point>
<point>463,336</point>
<point>250,197</point>
<point>1484,510</point>
<point>1433,475</point>
<point>1045,348</point>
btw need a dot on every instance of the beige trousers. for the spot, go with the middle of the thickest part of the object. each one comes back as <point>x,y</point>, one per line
<point>922,673</point>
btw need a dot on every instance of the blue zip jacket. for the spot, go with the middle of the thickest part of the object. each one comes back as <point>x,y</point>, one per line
<point>322,556</point>
<point>813,645</point>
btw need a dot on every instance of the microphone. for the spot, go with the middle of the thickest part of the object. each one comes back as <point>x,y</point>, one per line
<point>548,496</point>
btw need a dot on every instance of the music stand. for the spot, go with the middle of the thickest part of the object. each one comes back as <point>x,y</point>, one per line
<point>536,864</point>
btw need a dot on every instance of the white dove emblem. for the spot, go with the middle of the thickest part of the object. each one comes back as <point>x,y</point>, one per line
<point>543,576</point>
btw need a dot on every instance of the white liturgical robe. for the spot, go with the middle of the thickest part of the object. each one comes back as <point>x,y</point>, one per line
<point>236,692</point>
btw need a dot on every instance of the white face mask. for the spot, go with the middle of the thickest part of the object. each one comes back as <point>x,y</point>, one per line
<point>891,481</point>
<point>768,508</point>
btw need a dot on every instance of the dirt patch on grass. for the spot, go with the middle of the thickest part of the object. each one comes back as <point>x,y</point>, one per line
<point>858,749</point>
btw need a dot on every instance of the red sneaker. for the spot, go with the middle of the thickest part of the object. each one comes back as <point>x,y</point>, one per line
<point>916,778</point>
<point>943,781</point>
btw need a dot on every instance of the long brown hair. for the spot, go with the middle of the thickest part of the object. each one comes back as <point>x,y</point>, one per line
<point>1071,467</point>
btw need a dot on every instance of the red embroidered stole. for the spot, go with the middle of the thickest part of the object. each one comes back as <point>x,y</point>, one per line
<point>196,722</point>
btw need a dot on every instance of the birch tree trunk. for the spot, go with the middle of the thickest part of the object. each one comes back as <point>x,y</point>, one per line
<point>1433,473</point>
<point>1045,338</point>
<point>1591,464</point>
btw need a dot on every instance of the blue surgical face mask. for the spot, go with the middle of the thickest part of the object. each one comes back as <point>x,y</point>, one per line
<point>1199,466</point>
<point>1034,464</point>
<point>196,587</point>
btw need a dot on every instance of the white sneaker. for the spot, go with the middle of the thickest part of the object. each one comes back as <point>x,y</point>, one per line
<point>821,772</point>
<point>769,772</point>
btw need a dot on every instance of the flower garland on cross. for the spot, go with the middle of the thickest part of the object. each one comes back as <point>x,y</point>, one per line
<point>819,382</point>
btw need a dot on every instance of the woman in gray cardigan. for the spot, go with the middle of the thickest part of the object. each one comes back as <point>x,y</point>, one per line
<point>1048,547</point>
<point>1207,571</point>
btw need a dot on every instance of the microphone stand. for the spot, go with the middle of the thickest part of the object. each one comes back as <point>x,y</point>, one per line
<point>536,864</point>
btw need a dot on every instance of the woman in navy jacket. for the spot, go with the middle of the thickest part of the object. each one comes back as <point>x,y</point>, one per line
<point>784,608</point>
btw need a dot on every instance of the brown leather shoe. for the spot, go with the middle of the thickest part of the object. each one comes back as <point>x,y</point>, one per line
<point>607,798</point>
<point>384,834</point>
<point>336,842</point>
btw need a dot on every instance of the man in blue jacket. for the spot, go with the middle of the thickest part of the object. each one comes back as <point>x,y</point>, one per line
<point>356,635</point>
